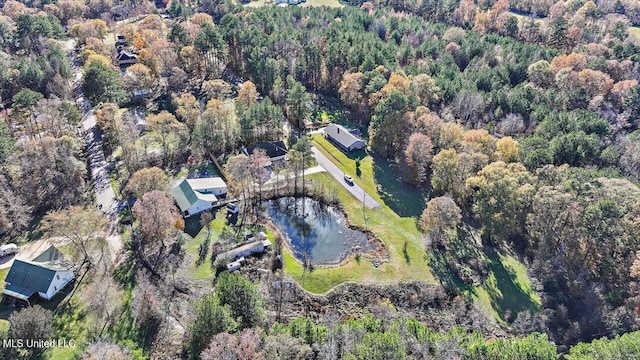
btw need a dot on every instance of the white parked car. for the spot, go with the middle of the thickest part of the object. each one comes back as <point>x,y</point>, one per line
<point>8,249</point>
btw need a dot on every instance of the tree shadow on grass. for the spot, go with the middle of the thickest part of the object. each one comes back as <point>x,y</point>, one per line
<point>440,268</point>
<point>192,225</point>
<point>506,295</point>
<point>404,200</point>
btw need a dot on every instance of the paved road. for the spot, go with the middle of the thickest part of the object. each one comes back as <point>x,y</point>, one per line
<point>354,189</point>
<point>105,196</point>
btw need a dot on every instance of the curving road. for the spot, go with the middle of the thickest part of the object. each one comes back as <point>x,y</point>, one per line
<point>337,174</point>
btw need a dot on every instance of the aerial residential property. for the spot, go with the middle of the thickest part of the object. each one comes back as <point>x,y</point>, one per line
<point>343,138</point>
<point>275,150</point>
<point>43,277</point>
<point>320,179</point>
<point>194,196</point>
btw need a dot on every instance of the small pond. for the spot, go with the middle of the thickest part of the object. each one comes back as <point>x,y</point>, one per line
<point>316,231</point>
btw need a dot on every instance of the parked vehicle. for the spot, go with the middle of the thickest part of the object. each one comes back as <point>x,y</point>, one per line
<point>8,249</point>
<point>232,208</point>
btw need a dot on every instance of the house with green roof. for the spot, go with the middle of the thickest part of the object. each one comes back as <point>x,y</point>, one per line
<point>44,277</point>
<point>194,196</point>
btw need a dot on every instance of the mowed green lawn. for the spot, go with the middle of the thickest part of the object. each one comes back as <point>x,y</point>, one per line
<point>192,245</point>
<point>507,290</point>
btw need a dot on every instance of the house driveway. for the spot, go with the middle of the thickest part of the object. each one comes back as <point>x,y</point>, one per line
<point>337,174</point>
<point>30,250</point>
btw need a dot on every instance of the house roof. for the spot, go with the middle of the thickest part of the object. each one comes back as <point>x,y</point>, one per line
<point>342,135</point>
<point>51,254</point>
<point>207,183</point>
<point>124,55</point>
<point>273,148</point>
<point>186,196</point>
<point>25,278</point>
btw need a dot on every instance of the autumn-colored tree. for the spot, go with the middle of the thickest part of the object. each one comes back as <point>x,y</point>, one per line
<point>245,345</point>
<point>107,122</point>
<point>479,141</point>
<point>169,131</point>
<point>440,219</point>
<point>418,156</point>
<point>450,136</point>
<point>83,229</point>
<point>187,109</point>
<point>595,82</point>
<point>425,88</point>
<point>138,77</point>
<point>146,180</point>
<point>351,92</point>
<point>502,193</point>
<point>541,73</point>
<point>157,217</point>
<point>507,150</point>
<point>217,89</point>
<point>247,94</point>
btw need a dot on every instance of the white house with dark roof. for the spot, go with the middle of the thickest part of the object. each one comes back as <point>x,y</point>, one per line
<point>44,277</point>
<point>194,196</point>
<point>343,138</point>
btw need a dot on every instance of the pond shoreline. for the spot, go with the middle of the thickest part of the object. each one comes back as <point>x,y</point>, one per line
<point>377,254</point>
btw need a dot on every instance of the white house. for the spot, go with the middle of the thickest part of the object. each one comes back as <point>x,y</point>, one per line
<point>44,276</point>
<point>197,195</point>
<point>343,138</point>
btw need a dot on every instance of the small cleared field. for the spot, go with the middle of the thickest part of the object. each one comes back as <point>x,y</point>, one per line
<point>635,31</point>
<point>524,17</point>
<point>328,3</point>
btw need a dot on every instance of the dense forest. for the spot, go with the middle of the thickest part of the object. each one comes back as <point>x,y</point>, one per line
<point>518,121</point>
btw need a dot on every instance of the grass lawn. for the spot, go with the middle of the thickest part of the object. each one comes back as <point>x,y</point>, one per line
<point>192,245</point>
<point>507,290</point>
<point>523,17</point>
